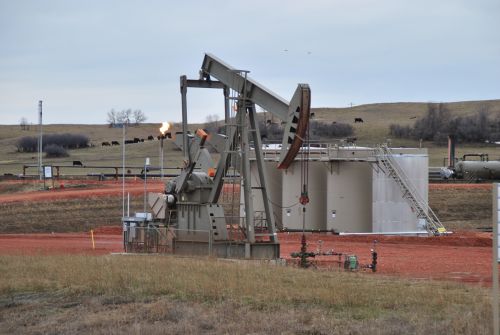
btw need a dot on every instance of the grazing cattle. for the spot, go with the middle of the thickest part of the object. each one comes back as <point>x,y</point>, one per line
<point>358,119</point>
<point>129,141</point>
<point>137,140</point>
<point>351,140</point>
<point>77,163</point>
<point>150,138</point>
<point>142,140</point>
<point>115,143</point>
<point>106,144</point>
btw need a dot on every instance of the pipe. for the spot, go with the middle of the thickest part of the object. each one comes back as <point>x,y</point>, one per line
<point>40,144</point>
<point>451,151</point>
<point>291,230</point>
<point>185,150</point>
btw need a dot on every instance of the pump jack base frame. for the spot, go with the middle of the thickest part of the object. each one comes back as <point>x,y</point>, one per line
<point>227,249</point>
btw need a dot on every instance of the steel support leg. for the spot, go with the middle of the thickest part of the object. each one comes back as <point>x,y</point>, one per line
<point>227,108</point>
<point>184,117</point>
<point>245,169</point>
<point>262,174</point>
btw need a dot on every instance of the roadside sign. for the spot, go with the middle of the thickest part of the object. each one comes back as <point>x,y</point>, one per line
<point>47,172</point>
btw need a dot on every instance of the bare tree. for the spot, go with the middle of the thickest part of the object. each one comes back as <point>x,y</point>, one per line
<point>139,116</point>
<point>216,120</point>
<point>127,115</point>
<point>112,118</point>
<point>24,124</point>
<point>212,123</point>
<point>124,116</point>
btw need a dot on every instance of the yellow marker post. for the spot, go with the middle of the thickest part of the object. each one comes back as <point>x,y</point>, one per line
<point>92,237</point>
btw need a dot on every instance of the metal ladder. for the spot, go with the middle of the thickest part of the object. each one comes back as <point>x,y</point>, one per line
<point>420,206</point>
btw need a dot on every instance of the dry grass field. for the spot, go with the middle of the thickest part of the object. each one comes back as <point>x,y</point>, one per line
<point>164,294</point>
<point>462,208</point>
<point>12,161</point>
<point>67,215</point>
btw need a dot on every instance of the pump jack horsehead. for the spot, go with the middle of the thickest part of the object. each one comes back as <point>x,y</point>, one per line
<point>189,207</point>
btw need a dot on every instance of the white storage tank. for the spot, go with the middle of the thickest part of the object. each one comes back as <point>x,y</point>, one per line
<point>315,211</point>
<point>391,212</point>
<point>349,197</point>
<point>348,192</point>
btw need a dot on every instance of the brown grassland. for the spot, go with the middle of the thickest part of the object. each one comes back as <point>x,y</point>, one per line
<point>374,130</point>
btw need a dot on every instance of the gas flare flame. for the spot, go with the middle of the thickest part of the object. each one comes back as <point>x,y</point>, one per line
<point>165,126</point>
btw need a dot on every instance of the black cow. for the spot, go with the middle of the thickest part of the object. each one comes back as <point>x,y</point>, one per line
<point>137,140</point>
<point>77,163</point>
<point>150,138</point>
<point>115,143</point>
<point>351,140</point>
<point>129,141</point>
<point>358,119</point>
<point>106,144</point>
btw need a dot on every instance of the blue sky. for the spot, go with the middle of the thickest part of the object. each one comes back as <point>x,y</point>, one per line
<point>83,58</point>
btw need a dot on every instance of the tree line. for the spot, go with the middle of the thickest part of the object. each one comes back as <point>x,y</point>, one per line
<point>438,123</point>
<point>126,116</point>
<point>54,145</point>
<point>272,131</point>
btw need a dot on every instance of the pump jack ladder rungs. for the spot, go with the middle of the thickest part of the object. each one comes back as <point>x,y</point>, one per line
<point>410,193</point>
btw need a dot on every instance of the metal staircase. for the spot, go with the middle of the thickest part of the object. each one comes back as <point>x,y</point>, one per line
<point>420,206</point>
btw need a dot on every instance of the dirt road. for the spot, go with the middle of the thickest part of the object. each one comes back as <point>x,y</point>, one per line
<point>66,192</point>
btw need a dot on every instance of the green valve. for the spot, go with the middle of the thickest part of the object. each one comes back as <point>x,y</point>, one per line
<point>353,262</point>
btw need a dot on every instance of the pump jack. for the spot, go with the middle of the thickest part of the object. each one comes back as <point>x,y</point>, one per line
<point>189,211</point>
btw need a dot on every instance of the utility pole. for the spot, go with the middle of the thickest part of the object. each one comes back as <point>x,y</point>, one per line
<point>40,146</point>
<point>146,165</point>
<point>124,124</point>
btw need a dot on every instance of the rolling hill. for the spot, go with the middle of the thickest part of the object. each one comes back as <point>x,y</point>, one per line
<point>373,130</point>
<point>378,117</point>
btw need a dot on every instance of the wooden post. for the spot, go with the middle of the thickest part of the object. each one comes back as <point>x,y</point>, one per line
<point>92,238</point>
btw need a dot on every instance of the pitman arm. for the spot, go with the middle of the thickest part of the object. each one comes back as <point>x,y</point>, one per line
<point>198,155</point>
<point>295,113</point>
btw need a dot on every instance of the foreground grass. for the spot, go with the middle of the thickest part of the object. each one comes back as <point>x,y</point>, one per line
<point>148,293</point>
